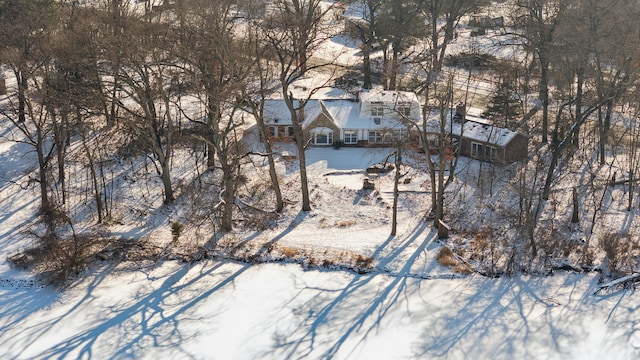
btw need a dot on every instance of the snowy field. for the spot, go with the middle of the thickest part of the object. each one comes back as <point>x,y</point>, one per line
<point>237,311</point>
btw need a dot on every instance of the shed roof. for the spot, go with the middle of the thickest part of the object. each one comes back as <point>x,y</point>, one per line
<point>489,134</point>
<point>475,128</point>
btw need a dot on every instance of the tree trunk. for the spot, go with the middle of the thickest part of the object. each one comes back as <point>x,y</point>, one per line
<point>366,63</point>
<point>575,217</point>
<point>22,89</point>
<point>228,197</point>
<point>578,102</point>
<point>61,141</point>
<point>300,143</point>
<point>94,177</point>
<point>393,75</point>
<point>396,181</point>
<point>544,96</point>
<point>212,120</point>
<point>273,174</point>
<point>306,201</point>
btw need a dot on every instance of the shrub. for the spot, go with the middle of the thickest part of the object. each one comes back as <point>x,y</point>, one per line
<point>363,262</point>
<point>446,257</point>
<point>288,252</point>
<point>467,60</point>
<point>58,259</point>
<point>462,268</point>
<point>618,250</point>
<point>345,223</point>
<point>176,230</point>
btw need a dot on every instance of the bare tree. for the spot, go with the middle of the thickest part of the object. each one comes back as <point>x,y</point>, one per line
<point>291,36</point>
<point>255,100</point>
<point>24,39</point>
<point>214,51</point>
<point>301,21</point>
<point>366,29</point>
<point>579,36</point>
<point>442,17</point>
<point>537,22</point>
<point>145,75</point>
<point>398,22</point>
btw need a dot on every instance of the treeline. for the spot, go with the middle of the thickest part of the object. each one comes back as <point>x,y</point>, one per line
<point>146,79</point>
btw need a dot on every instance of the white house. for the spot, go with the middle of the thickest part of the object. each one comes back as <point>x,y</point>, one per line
<point>375,117</point>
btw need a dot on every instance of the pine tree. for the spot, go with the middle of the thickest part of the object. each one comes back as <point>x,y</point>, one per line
<point>505,105</point>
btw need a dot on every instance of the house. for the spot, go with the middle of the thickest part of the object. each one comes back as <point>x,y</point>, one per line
<point>380,118</point>
<point>373,118</point>
<point>477,138</point>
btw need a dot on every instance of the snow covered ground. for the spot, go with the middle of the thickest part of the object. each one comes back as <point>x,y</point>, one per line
<point>223,310</point>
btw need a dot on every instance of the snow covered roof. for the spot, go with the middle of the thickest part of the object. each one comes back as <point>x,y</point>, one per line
<point>475,128</point>
<point>388,97</point>
<point>346,114</point>
<point>486,133</point>
<point>277,112</point>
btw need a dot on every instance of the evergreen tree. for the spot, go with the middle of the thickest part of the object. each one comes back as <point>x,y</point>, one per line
<point>505,106</point>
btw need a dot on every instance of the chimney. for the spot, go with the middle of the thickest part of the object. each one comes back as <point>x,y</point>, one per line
<point>461,112</point>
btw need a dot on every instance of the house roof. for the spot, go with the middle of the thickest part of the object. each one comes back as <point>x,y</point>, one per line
<point>388,97</point>
<point>277,112</point>
<point>485,133</point>
<point>346,114</point>
<point>475,128</point>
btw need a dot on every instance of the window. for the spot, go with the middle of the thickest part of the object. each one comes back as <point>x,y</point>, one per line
<point>476,150</point>
<point>377,110</point>
<point>272,131</point>
<point>490,153</point>
<point>404,110</point>
<point>350,136</point>
<point>383,137</point>
<point>484,152</point>
<point>290,131</point>
<point>322,136</point>
<point>376,137</point>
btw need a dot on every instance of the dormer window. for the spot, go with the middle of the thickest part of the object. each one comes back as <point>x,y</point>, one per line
<point>404,110</point>
<point>377,111</point>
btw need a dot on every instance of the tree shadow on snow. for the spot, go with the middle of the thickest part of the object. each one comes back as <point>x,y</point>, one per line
<point>151,320</point>
<point>525,317</point>
<point>337,311</point>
